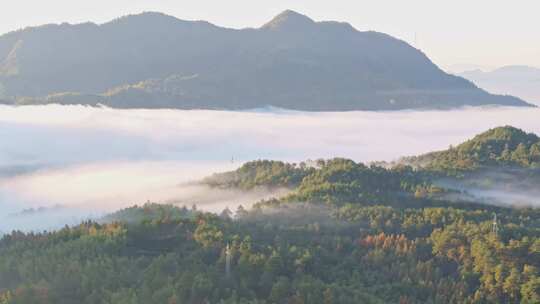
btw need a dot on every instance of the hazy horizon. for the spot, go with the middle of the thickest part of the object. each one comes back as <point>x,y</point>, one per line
<point>449,33</point>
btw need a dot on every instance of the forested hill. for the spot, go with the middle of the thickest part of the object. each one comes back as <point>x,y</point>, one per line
<point>346,233</point>
<point>152,60</point>
<point>332,182</point>
<point>499,166</point>
<point>498,147</point>
<point>288,254</point>
<point>263,173</point>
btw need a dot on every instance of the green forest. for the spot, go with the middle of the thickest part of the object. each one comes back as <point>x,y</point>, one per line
<point>347,232</point>
<point>503,146</point>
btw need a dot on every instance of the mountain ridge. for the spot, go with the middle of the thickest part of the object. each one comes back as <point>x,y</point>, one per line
<point>292,62</point>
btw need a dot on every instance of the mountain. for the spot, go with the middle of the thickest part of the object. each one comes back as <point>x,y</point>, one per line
<point>498,167</point>
<point>152,60</point>
<point>503,147</point>
<point>522,81</point>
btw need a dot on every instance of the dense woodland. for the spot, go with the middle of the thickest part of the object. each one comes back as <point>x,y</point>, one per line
<point>501,147</point>
<point>346,233</point>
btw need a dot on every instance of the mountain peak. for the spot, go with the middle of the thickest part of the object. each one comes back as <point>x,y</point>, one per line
<point>506,146</point>
<point>289,20</point>
<point>506,133</point>
<point>147,17</point>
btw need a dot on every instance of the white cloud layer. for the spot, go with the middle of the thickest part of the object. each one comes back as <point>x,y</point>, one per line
<point>101,158</point>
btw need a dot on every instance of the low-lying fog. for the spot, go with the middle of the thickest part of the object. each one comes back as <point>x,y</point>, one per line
<point>498,186</point>
<point>96,160</point>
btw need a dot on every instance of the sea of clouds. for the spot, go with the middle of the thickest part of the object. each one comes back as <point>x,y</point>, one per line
<point>99,159</point>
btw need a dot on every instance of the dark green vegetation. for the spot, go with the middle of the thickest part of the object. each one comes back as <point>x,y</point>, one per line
<point>331,182</point>
<point>261,173</point>
<point>346,233</point>
<point>502,164</point>
<point>149,212</point>
<point>499,147</point>
<point>157,61</point>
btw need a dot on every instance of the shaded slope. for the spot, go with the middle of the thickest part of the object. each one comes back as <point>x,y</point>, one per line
<point>153,60</point>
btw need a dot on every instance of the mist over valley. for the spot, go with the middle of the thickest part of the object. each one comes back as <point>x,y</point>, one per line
<point>284,158</point>
<point>97,160</point>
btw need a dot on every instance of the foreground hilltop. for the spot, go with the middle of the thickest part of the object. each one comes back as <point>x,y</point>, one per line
<point>153,60</point>
<point>346,233</point>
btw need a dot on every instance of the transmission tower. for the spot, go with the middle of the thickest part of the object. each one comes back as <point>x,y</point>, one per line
<point>228,261</point>
<point>495,225</point>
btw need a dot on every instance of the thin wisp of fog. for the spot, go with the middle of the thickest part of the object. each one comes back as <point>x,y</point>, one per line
<point>101,159</point>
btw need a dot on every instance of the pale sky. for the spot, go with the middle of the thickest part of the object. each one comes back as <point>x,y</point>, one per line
<point>487,33</point>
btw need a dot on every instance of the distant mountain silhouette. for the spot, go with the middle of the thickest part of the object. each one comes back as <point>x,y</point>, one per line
<point>152,60</point>
<point>522,81</point>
